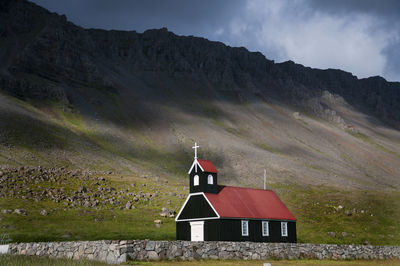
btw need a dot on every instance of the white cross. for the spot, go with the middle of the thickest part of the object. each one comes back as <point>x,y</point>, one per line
<point>195,150</point>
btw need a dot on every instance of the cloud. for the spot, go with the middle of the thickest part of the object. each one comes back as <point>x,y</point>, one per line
<point>355,41</point>
<point>318,40</point>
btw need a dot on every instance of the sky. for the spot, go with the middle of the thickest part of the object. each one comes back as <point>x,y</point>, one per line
<point>358,36</point>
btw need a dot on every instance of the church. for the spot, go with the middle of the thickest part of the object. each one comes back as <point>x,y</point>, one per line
<point>213,212</point>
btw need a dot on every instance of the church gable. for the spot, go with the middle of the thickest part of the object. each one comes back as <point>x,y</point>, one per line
<point>196,207</point>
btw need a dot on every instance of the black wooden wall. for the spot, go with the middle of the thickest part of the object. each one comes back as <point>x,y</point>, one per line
<point>183,231</point>
<point>231,230</point>
<point>197,207</point>
<point>203,186</point>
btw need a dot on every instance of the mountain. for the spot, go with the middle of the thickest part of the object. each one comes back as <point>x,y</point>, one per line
<point>128,101</point>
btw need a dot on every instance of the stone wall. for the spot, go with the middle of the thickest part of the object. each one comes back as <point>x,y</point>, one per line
<point>120,251</point>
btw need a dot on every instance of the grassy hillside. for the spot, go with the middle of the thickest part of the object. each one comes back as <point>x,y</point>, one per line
<point>241,139</point>
<point>314,165</point>
<point>100,110</point>
<point>365,216</point>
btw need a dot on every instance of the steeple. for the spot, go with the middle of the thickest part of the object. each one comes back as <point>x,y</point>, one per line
<point>195,150</point>
<point>195,153</point>
<point>202,175</point>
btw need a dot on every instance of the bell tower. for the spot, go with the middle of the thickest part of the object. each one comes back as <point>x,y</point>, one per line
<point>203,176</point>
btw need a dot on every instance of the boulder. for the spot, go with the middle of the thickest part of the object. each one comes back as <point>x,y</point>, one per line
<point>20,211</point>
<point>43,212</point>
<point>150,245</point>
<point>167,213</point>
<point>128,205</point>
<point>82,189</point>
<point>152,255</point>
<point>332,234</point>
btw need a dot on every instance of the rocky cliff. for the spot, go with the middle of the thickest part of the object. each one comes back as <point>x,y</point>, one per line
<point>46,57</point>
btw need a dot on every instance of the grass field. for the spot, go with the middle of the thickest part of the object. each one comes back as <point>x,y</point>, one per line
<point>8,260</point>
<point>364,216</point>
<point>106,221</point>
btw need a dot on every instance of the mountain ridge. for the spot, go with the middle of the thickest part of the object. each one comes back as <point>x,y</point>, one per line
<point>128,101</point>
<point>63,53</point>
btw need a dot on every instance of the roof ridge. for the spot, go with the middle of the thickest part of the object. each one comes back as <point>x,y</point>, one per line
<point>251,188</point>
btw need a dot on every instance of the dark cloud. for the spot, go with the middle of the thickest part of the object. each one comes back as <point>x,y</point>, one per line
<point>184,16</point>
<point>359,36</point>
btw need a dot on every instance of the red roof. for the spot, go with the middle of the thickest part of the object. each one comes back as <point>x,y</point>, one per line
<point>207,166</point>
<point>237,202</point>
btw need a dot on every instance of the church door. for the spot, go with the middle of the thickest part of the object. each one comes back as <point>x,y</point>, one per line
<point>197,231</point>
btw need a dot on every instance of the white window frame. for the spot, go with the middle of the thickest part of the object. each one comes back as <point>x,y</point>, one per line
<point>245,226</point>
<point>265,224</point>
<point>284,229</point>
<point>196,180</point>
<point>210,180</point>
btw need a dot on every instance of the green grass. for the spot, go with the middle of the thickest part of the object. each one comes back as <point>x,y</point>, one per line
<point>138,149</point>
<point>105,222</point>
<point>269,148</point>
<point>309,146</point>
<point>8,260</point>
<point>96,225</point>
<point>368,140</point>
<point>361,136</point>
<point>375,215</point>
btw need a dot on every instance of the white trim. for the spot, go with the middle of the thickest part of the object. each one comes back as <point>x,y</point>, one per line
<point>195,223</point>
<point>247,227</point>
<point>193,219</point>
<point>198,219</point>
<point>4,249</point>
<point>262,228</point>
<point>195,162</point>
<point>286,227</point>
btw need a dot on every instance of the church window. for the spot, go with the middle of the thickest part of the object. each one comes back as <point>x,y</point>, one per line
<point>210,179</point>
<point>245,228</point>
<point>284,229</point>
<point>265,229</point>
